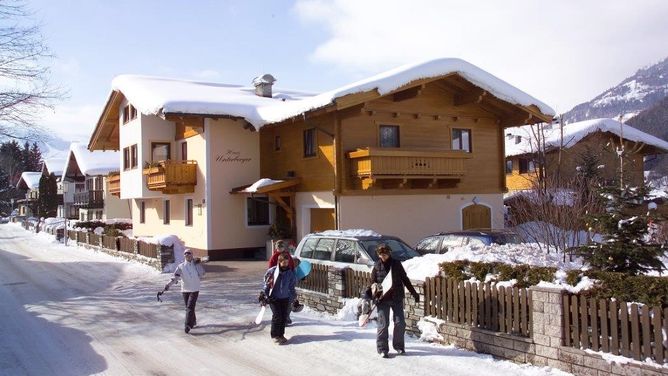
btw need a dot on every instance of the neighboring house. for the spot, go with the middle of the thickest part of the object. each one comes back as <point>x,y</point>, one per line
<point>594,142</point>
<point>29,182</point>
<point>410,152</point>
<point>84,175</point>
<point>55,166</point>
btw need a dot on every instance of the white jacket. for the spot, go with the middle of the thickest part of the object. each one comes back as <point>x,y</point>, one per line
<point>190,274</point>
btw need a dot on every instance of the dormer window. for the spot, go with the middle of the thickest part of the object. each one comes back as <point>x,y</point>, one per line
<point>129,113</point>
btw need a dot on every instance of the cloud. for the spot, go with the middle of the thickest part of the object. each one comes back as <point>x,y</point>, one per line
<point>563,52</point>
<point>71,123</point>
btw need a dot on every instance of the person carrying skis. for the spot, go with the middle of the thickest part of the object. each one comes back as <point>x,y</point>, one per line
<point>282,248</point>
<point>190,272</point>
<point>390,299</point>
<point>278,291</point>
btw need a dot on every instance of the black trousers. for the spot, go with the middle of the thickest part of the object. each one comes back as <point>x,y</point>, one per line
<point>190,299</point>
<point>279,311</point>
<point>383,329</point>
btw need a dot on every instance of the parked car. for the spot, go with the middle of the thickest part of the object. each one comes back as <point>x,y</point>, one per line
<point>350,248</point>
<point>441,243</point>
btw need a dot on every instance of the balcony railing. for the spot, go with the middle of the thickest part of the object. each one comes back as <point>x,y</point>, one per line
<point>114,184</point>
<point>89,199</point>
<point>32,195</point>
<point>171,177</point>
<point>373,163</point>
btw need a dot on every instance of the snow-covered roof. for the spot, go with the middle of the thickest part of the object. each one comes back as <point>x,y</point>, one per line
<point>573,133</point>
<point>55,165</point>
<point>155,96</point>
<point>264,182</point>
<point>31,179</point>
<point>93,163</point>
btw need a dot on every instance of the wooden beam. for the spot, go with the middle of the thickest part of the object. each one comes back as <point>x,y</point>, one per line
<point>473,96</point>
<point>410,93</point>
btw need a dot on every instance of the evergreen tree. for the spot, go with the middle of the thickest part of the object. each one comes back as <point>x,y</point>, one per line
<point>624,247</point>
<point>11,161</point>
<point>47,203</point>
<point>31,157</point>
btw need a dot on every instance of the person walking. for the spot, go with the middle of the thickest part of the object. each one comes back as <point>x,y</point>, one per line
<point>189,272</point>
<point>282,248</point>
<point>392,299</point>
<point>279,291</point>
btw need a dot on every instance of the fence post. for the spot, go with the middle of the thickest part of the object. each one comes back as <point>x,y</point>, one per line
<point>165,255</point>
<point>547,329</point>
<point>414,312</point>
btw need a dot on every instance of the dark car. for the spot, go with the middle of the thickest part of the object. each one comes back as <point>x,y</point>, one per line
<point>441,243</point>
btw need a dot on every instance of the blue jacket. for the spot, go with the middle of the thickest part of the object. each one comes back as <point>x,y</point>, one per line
<point>283,287</point>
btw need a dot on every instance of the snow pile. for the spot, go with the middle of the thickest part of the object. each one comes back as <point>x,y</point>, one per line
<point>168,241</point>
<point>428,326</point>
<point>419,268</point>
<point>351,233</point>
<point>560,282</point>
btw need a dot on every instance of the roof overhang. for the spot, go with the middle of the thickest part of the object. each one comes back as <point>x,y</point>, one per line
<point>277,186</point>
<point>106,133</point>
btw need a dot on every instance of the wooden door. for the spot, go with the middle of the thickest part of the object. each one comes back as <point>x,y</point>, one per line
<point>322,219</point>
<point>476,216</point>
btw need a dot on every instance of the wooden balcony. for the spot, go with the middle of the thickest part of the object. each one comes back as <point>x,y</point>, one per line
<point>89,199</point>
<point>114,184</point>
<point>407,168</point>
<point>172,177</point>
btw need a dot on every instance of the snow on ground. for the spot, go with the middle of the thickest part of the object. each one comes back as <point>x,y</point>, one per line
<point>69,310</point>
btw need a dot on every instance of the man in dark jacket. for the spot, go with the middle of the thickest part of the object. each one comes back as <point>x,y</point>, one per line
<point>393,299</point>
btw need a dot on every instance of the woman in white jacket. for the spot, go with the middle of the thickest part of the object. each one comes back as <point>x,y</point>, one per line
<point>189,272</point>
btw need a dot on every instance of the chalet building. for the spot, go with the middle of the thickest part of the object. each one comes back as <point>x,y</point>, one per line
<point>595,142</point>
<point>85,196</point>
<point>409,152</point>
<point>28,182</point>
<point>55,166</point>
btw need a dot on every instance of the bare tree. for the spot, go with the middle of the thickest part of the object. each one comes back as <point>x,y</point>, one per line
<point>24,84</point>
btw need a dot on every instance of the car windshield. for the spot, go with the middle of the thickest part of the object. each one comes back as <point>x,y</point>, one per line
<point>400,250</point>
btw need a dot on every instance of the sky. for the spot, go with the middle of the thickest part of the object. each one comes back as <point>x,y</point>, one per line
<point>561,52</point>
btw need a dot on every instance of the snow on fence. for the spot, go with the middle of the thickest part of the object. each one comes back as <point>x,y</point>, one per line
<point>481,305</point>
<point>618,328</point>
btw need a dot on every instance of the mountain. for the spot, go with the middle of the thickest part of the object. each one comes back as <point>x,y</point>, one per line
<point>633,95</point>
<point>654,121</point>
<point>49,144</point>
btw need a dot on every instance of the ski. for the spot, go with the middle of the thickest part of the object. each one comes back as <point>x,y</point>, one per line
<point>260,314</point>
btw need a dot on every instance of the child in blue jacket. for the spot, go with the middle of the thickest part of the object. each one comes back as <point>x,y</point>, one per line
<point>279,288</point>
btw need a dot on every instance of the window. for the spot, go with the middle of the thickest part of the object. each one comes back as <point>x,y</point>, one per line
<point>526,165</point>
<point>129,113</point>
<point>130,157</point>
<point>308,247</point>
<point>133,156</point>
<point>345,251</point>
<point>184,151</point>
<point>189,212</point>
<point>309,143</point>
<point>142,212</point>
<point>160,151</point>
<point>461,139</point>
<point>428,245</point>
<point>277,143</point>
<point>389,136</point>
<point>166,210</point>
<point>323,250</point>
<point>509,166</point>
<point>257,210</point>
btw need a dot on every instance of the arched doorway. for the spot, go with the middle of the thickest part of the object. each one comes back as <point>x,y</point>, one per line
<point>476,216</point>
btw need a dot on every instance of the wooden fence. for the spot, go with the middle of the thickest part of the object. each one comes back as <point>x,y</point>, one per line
<point>110,242</point>
<point>618,328</point>
<point>505,310</point>
<point>355,282</point>
<point>148,249</point>
<point>94,239</point>
<point>81,237</point>
<point>127,245</point>
<point>317,280</point>
<point>72,235</point>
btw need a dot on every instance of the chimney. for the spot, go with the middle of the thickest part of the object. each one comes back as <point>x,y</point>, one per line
<point>263,85</point>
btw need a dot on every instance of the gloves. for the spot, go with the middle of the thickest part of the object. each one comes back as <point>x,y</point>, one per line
<point>416,297</point>
<point>262,299</point>
<point>197,260</point>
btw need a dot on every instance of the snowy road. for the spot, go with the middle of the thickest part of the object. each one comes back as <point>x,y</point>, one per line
<point>71,311</point>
